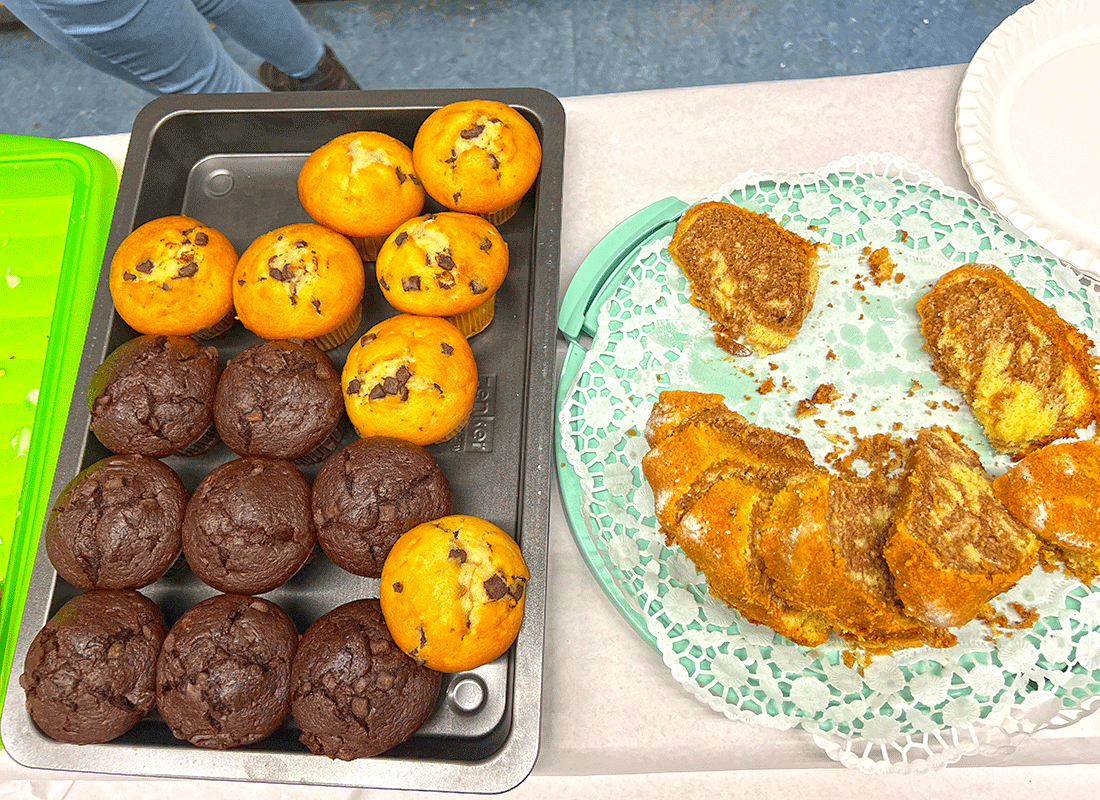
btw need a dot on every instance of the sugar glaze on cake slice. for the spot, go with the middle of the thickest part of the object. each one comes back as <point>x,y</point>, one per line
<point>1055,491</point>
<point>953,546</point>
<point>822,542</point>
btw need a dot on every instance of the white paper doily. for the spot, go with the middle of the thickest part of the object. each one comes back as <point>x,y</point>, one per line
<point>915,709</point>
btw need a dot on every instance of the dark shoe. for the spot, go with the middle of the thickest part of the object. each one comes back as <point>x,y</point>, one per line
<point>330,74</point>
<point>8,19</point>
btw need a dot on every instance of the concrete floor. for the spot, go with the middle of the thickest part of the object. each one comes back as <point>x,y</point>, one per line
<point>569,47</point>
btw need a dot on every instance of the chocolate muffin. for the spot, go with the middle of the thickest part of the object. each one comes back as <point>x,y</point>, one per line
<point>89,673</point>
<point>116,525</point>
<point>223,675</point>
<point>279,399</point>
<point>353,692</point>
<point>369,493</point>
<point>247,528</point>
<point>154,396</point>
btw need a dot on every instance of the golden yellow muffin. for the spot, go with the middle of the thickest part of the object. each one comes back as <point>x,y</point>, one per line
<point>301,281</point>
<point>173,276</point>
<point>1055,491</point>
<point>445,265</point>
<point>412,378</point>
<point>479,156</point>
<point>452,592</point>
<point>362,185</point>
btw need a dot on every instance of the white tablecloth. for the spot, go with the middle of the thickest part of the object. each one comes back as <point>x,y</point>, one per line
<point>614,722</point>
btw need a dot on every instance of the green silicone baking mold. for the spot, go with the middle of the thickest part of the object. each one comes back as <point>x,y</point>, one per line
<point>56,200</point>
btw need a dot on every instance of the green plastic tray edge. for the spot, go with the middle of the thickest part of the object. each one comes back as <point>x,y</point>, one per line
<point>96,184</point>
<point>613,253</point>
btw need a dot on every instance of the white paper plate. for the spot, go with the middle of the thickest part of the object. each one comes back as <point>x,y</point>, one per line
<point>1028,126</point>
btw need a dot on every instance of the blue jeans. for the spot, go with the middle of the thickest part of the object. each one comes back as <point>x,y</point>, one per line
<point>168,46</point>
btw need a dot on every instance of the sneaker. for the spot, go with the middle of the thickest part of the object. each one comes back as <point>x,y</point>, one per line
<point>330,74</point>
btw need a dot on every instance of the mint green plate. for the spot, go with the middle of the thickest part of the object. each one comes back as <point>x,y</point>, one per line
<point>633,332</point>
<point>56,200</point>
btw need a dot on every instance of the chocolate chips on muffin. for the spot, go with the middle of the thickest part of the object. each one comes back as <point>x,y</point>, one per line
<point>88,675</point>
<point>369,493</point>
<point>353,692</point>
<point>247,528</point>
<point>154,395</point>
<point>278,399</point>
<point>116,525</point>
<point>223,675</point>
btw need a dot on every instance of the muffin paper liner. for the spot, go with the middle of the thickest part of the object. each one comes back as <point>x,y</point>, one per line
<point>335,338</point>
<point>457,429</point>
<point>218,328</point>
<point>326,448</point>
<point>368,246</point>
<point>499,217</point>
<point>476,319</point>
<point>201,445</point>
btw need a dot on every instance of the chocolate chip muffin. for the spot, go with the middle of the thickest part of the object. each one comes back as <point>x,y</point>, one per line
<point>411,377</point>
<point>478,156</point>
<point>116,525</point>
<point>361,184</point>
<point>154,396</point>
<point>300,281</point>
<point>223,675</point>
<point>279,399</point>
<point>353,692</point>
<point>89,673</point>
<point>248,528</point>
<point>445,265</point>
<point>369,493</point>
<point>453,591</point>
<point>174,275</point>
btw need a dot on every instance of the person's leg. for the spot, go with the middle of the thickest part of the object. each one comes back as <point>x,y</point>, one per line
<point>272,29</point>
<point>295,57</point>
<point>164,46</point>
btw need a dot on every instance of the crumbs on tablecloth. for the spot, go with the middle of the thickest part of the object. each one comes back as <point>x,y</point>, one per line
<point>880,453</point>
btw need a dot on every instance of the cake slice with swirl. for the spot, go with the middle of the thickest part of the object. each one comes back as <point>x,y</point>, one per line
<point>714,475</point>
<point>1027,374</point>
<point>754,278</point>
<point>953,546</point>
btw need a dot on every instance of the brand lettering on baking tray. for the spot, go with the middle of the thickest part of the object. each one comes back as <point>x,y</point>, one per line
<point>477,436</point>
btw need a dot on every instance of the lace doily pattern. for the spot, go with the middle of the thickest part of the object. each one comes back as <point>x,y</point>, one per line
<point>913,709</point>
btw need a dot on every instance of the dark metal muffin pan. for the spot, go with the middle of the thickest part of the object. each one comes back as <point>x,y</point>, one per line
<point>232,161</point>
